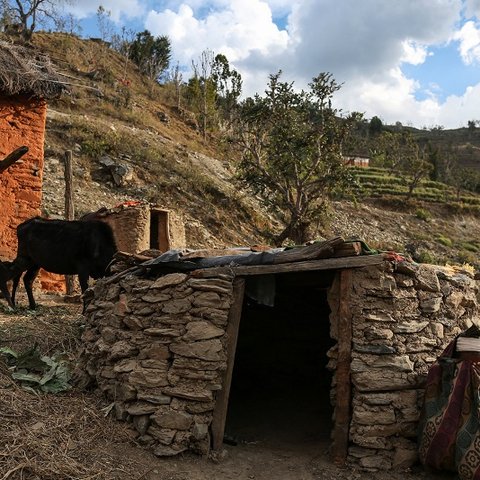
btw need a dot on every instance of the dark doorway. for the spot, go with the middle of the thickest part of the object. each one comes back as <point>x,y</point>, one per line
<point>159,230</point>
<point>280,392</point>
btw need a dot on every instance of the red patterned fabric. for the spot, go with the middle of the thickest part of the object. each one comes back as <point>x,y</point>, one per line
<point>450,428</point>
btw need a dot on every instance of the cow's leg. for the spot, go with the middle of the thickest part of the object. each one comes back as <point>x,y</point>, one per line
<point>16,268</point>
<point>28,280</point>
<point>16,281</point>
<point>83,280</point>
<point>6,294</point>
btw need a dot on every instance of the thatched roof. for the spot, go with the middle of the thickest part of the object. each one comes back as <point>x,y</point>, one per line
<point>25,71</point>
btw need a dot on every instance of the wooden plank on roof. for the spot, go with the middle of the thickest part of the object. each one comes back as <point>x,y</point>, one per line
<point>348,249</point>
<point>215,252</point>
<point>310,252</point>
<point>343,389</point>
<point>322,264</point>
<point>221,404</point>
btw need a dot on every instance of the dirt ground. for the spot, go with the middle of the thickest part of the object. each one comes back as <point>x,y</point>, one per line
<point>69,435</point>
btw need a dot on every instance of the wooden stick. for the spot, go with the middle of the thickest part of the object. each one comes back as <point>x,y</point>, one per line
<point>69,209</point>
<point>343,388</point>
<point>233,325</point>
<point>11,158</point>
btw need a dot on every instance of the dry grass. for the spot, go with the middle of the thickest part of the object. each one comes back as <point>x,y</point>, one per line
<point>65,436</point>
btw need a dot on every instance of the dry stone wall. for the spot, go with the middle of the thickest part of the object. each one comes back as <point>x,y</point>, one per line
<point>157,349</point>
<point>402,320</point>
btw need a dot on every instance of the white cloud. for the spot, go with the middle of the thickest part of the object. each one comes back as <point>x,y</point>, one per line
<point>242,28</point>
<point>457,110</point>
<point>469,40</point>
<point>119,8</point>
<point>413,53</point>
<point>351,38</point>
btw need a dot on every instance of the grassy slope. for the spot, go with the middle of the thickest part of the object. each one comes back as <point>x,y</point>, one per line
<point>172,165</point>
<point>175,168</point>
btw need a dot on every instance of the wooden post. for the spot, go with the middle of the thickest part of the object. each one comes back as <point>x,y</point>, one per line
<point>343,388</point>
<point>12,157</point>
<point>69,209</point>
<point>221,404</point>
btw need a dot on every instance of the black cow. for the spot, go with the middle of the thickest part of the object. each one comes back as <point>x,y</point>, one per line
<point>67,247</point>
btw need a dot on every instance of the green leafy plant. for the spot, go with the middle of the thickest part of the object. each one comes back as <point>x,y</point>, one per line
<point>38,372</point>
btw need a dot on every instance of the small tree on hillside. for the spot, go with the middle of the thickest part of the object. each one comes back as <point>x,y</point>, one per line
<point>151,54</point>
<point>228,83</point>
<point>201,90</point>
<point>375,127</point>
<point>176,79</point>
<point>213,91</point>
<point>291,151</point>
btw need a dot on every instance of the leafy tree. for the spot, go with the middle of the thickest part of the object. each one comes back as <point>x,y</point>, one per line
<point>472,127</point>
<point>31,13</point>
<point>402,155</point>
<point>415,165</point>
<point>375,126</point>
<point>213,91</point>
<point>151,54</point>
<point>291,151</point>
<point>387,150</point>
<point>228,83</point>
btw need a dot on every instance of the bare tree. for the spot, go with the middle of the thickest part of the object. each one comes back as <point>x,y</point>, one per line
<point>31,13</point>
<point>202,80</point>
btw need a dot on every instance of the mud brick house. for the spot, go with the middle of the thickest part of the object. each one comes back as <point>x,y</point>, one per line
<point>27,81</point>
<point>320,343</point>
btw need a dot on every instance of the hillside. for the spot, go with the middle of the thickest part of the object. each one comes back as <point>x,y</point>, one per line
<point>113,113</point>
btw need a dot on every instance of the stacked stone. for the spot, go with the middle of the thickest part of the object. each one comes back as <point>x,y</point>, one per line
<point>157,349</point>
<point>402,319</point>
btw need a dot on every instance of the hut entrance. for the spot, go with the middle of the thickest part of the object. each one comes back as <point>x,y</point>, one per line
<point>159,230</point>
<point>280,391</point>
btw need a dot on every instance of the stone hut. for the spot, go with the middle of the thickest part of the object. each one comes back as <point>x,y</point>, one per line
<point>140,226</point>
<point>27,81</point>
<point>321,341</point>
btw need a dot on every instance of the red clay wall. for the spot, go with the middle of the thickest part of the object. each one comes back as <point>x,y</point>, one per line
<point>22,122</point>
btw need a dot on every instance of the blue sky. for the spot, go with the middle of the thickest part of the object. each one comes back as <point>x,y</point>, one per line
<point>413,61</point>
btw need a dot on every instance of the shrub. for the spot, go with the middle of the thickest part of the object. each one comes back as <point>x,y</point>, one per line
<point>470,246</point>
<point>426,257</point>
<point>445,241</point>
<point>423,214</point>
